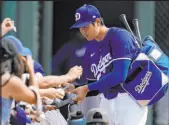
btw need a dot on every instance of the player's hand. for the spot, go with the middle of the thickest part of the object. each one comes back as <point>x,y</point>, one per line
<point>52,93</point>
<point>74,73</point>
<point>81,93</point>
<point>6,26</point>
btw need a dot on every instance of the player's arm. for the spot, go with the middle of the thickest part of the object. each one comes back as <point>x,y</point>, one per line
<point>90,93</point>
<point>114,78</point>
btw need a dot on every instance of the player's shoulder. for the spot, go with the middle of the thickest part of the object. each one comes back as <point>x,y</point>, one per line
<point>117,31</point>
<point>121,35</point>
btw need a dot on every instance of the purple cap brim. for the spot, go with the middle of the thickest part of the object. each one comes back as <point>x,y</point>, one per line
<point>80,25</point>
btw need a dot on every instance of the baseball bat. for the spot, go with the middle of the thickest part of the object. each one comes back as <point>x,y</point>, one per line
<point>136,27</point>
<point>124,20</point>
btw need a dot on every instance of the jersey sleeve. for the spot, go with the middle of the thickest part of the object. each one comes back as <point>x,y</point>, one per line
<point>122,45</point>
<point>117,76</point>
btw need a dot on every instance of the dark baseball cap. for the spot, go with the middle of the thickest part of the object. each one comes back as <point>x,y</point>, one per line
<point>97,115</point>
<point>85,15</point>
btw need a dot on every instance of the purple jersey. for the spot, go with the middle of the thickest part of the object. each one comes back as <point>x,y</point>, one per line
<point>99,56</point>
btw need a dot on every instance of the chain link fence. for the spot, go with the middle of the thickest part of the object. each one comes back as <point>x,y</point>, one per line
<point>161,109</point>
<point>162,25</point>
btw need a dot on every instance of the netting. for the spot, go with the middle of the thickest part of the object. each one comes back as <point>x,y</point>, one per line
<point>162,25</point>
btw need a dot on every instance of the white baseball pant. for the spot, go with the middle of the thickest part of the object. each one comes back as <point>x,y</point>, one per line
<point>124,110</point>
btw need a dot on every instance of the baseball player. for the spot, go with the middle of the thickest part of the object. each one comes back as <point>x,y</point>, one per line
<point>107,61</point>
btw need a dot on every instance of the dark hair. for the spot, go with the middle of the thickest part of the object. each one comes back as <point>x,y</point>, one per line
<point>8,58</point>
<point>102,21</point>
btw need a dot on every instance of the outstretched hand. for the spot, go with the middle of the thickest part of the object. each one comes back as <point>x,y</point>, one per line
<point>81,93</point>
<point>74,73</point>
<point>6,26</point>
<point>52,93</point>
